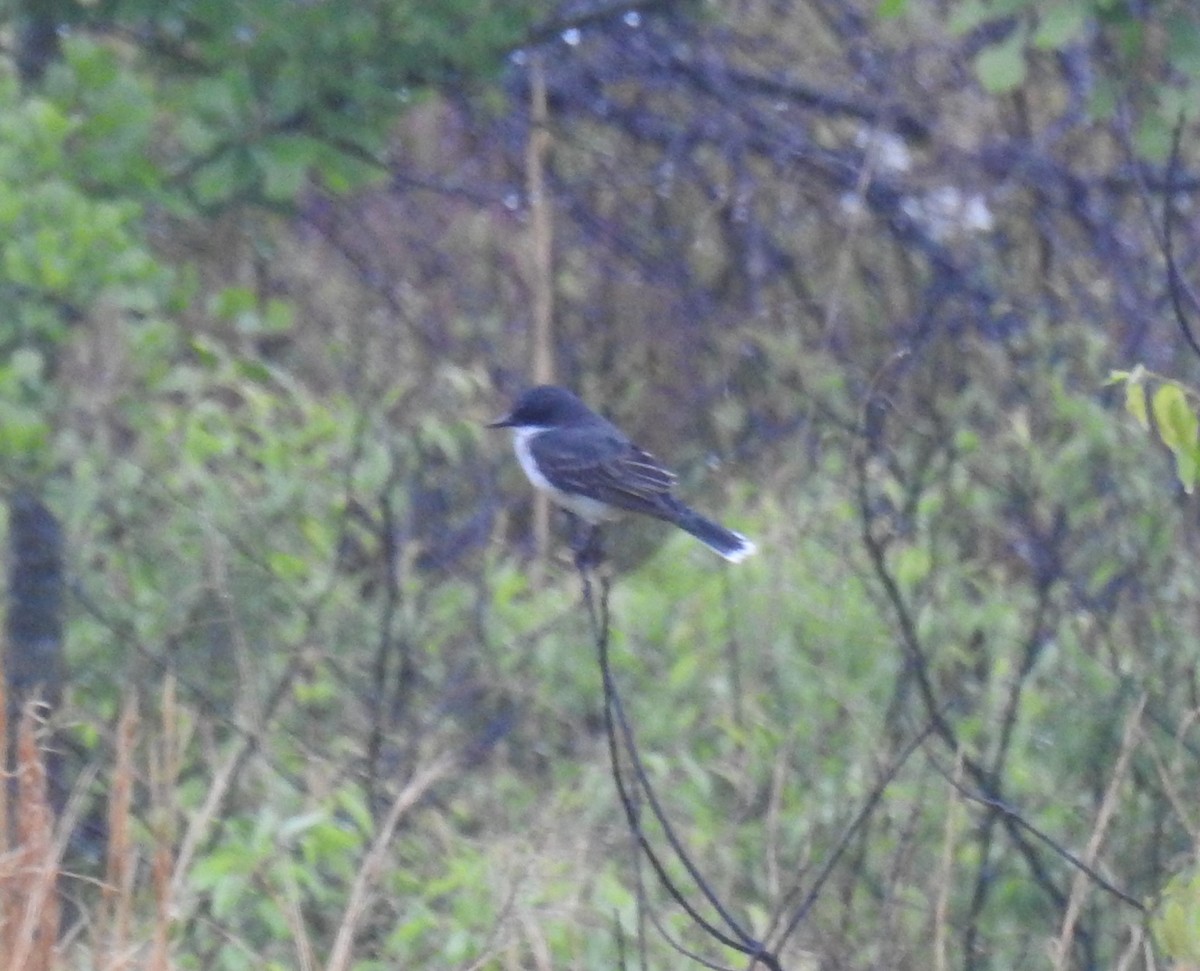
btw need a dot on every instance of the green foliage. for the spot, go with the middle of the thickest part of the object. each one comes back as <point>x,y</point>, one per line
<point>112,111</point>
<point>24,428</point>
<point>1176,922</point>
<point>262,866</point>
<point>69,242</point>
<point>1149,48</point>
<point>278,93</point>
<point>1174,408</point>
<point>63,243</point>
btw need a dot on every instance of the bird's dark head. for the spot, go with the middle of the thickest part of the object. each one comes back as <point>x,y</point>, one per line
<point>546,406</point>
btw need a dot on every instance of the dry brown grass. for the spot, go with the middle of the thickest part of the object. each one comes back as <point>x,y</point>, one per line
<point>33,839</point>
<point>117,891</point>
<point>29,915</point>
<point>132,918</point>
<point>356,908</point>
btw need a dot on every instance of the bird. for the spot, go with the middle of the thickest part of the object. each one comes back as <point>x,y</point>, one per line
<point>591,468</point>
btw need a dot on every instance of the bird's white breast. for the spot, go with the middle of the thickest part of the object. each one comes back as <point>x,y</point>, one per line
<point>593,510</point>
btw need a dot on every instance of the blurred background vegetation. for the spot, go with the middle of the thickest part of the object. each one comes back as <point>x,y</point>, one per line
<point>318,688</point>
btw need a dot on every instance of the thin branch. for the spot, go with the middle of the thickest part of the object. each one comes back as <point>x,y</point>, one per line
<point>1107,808</point>
<point>620,735</point>
<point>918,663</point>
<point>356,904</point>
<point>1177,285</point>
<point>843,844</point>
<point>1015,819</point>
<point>1015,825</point>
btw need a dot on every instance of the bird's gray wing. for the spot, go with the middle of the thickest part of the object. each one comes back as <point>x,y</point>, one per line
<point>607,467</point>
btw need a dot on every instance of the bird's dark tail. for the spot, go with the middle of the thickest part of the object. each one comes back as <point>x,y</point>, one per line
<point>725,542</point>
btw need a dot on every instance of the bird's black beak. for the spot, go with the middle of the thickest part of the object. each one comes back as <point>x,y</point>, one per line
<point>505,422</point>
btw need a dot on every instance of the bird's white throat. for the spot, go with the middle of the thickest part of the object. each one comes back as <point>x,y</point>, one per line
<point>521,440</point>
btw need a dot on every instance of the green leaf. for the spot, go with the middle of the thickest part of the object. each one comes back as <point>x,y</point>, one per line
<point>224,177</point>
<point>278,316</point>
<point>1059,25</point>
<point>1177,425</point>
<point>210,870</point>
<point>351,802</point>
<point>23,435</point>
<point>1153,136</point>
<point>287,566</point>
<point>1135,403</point>
<point>222,98</point>
<point>205,353</point>
<point>232,302</point>
<point>1183,44</point>
<point>1175,925</point>
<point>27,365</point>
<point>331,841</point>
<point>229,895</point>
<point>1001,67</point>
<point>1179,429</point>
<point>297,825</point>
<point>1187,464</point>
<point>253,370</point>
<point>969,14</point>
<point>285,163</point>
<point>913,566</point>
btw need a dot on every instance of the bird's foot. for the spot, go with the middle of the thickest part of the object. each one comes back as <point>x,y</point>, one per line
<point>586,545</point>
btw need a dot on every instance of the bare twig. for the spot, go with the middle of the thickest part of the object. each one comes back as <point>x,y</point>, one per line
<point>1176,283</point>
<point>356,906</point>
<point>1108,806</point>
<point>117,891</point>
<point>868,807</point>
<point>945,881</point>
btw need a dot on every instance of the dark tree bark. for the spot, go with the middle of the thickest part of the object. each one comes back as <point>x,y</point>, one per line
<point>38,43</point>
<point>34,626</point>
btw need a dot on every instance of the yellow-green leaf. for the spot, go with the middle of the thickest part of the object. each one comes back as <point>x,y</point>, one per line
<point>1177,424</point>
<point>1135,403</point>
<point>1179,428</point>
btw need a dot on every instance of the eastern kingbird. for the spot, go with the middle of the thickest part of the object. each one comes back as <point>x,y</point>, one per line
<point>593,470</point>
